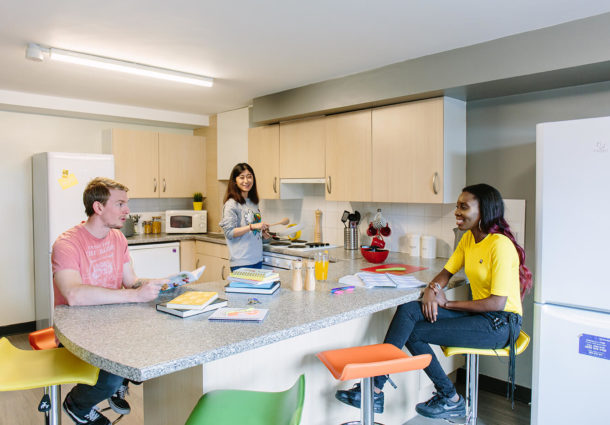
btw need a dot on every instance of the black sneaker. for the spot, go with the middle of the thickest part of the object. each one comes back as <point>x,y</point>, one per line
<point>92,418</point>
<point>117,401</point>
<point>353,396</point>
<point>439,407</point>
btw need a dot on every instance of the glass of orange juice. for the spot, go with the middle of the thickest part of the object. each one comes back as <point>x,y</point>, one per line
<point>321,261</point>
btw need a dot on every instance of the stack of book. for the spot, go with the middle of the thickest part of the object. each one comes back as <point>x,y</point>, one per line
<point>253,281</point>
<point>192,303</point>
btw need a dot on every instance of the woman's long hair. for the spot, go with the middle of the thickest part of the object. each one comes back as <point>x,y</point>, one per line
<point>233,191</point>
<point>491,209</point>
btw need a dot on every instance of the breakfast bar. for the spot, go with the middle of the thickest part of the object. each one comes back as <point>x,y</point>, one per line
<point>180,359</point>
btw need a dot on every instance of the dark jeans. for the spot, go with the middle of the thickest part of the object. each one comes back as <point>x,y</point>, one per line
<point>84,397</point>
<point>258,265</point>
<point>410,328</point>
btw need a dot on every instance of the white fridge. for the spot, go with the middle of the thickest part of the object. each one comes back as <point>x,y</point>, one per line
<point>58,180</point>
<point>571,341</point>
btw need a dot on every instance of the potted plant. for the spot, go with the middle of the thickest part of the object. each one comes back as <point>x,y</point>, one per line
<point>197,201</point>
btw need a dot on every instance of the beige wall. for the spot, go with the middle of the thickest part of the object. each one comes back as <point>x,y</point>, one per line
<point>22,135</point>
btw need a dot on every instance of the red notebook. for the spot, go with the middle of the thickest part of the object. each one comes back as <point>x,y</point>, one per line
<point>380,269</point>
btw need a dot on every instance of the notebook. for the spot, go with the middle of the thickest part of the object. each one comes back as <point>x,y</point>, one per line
<point>253,275</point>
<point>251,289</point>
<point>230,314</point>
<point>389,280</point>
<point>192,300</point>
<point>216,304</point>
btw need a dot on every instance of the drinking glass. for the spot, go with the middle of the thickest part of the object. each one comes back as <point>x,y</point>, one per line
<point>321,259</point>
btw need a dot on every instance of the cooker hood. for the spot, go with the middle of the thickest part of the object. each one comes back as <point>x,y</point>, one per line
<point>295,188</point>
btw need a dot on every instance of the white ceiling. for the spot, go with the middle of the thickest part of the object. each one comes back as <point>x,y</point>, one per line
<point>250,47</point>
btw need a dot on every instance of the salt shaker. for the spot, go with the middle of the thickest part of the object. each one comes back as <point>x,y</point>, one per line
<point>297,277</point>
<point>310,276</point>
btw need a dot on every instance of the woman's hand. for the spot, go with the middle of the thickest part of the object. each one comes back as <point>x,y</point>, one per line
<point>262,226</point>
<point>429,304</point>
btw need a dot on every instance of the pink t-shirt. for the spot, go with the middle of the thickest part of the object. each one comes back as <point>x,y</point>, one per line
<point>99,261</point>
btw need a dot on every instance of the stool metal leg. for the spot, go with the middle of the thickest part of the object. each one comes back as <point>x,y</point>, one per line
<point>472,388</point>
<point>367,414</point>
<point>53,416</point>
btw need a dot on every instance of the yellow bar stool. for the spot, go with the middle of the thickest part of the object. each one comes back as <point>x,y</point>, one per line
<point>367,362</point>
<point>472,370</point>
<point>28,369</point>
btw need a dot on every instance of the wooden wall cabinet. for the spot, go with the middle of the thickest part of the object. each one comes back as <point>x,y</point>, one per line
<point>157,165</point>
<point>348,156</point>
<point>264,157</point>
<point>302,148</point>
<point>419,151</point>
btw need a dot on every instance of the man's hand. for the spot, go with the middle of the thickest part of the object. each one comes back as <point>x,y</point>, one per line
<point>150,289</point>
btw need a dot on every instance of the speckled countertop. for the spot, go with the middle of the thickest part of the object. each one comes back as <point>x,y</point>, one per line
<point>140,343</point>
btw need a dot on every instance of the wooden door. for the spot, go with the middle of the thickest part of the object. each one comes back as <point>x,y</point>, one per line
<point>136,161</point>
<point>181,165</point>
<point>407,151</point>
<point>302,148</point>
<point>348,157</point>
<point>264,157</point>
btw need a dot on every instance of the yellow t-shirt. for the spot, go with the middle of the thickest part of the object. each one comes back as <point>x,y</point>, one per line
<point>492,267</point>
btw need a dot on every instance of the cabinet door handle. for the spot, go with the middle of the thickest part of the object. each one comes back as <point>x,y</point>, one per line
<point>222,272</point>
<point>329,185</point>
<point>197,264</point>
<point>155,184</point>
<point>434,183</point>
<point>164,185</point>
<point>275,185</point>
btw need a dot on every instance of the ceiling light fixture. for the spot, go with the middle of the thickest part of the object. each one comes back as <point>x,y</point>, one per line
<point>37,53</point>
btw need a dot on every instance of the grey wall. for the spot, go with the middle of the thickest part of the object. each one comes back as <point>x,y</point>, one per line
<point>501,151</point>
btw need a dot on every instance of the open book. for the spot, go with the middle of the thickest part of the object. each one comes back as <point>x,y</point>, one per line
<point>183,278</point>
<point>389,280</point>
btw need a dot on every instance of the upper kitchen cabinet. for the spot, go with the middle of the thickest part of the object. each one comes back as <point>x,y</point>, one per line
<point>419,151</point>
<point>232,147</point>
<point>157,165</point>
<point>264,157</point>
<point>302,148</point>
<point>348,156</point>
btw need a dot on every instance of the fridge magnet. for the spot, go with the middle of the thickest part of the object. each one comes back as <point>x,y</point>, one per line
<point>595,346</point>
<point>67,180</point>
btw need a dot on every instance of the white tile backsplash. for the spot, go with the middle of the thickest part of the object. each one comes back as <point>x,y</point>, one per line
<point>426,219</point>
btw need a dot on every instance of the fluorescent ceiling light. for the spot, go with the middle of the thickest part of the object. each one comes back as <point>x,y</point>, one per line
<point>118,65</point>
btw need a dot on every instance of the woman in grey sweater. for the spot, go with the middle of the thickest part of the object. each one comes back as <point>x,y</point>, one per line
<point>241,219</point>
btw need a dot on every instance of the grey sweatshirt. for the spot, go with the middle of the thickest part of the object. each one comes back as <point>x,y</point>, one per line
<point>246,249</point>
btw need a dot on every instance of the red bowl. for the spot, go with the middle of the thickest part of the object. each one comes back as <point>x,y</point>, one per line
<point>378,256</point>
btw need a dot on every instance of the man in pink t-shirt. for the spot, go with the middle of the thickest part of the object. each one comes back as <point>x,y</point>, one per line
<point>90,267</point>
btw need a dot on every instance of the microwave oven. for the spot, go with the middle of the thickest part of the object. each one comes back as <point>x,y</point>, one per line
<point>186,221</point>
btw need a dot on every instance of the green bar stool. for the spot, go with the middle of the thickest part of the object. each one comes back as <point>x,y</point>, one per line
<point>472,370</point>
<point>233,407</point>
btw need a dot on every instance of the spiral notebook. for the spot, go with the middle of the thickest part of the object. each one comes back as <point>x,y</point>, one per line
<point>231,314</point>
<point>253,275</point>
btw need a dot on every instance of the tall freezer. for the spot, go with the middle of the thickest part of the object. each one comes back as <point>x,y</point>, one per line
<point>571,340</point>
<point>59,179</point>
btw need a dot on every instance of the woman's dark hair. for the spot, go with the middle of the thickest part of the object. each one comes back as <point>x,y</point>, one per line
<point>233,191</point>
<point>491,209</point>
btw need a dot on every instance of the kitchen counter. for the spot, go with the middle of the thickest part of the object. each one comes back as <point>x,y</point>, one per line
<point>194,355</point>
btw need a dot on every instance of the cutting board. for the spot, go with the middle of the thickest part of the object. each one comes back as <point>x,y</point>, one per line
<point>379,269</point>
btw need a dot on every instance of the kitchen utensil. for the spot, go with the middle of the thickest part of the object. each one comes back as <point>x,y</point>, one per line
<point>386,268</point>
<point>294,236</point>
<point>371,231</point>
<point>317,230</point>
<point>357,217</point>
<point>350,238</point>
<point>344,217</point>
<point>291,230</point>
<point>378,242</point>
<point>283,222</point>
<point>378,256</point>
<point>385,231</point>
<point>379,220</point>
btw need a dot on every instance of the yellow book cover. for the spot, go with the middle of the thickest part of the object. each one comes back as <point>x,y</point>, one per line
<point>192,300</point>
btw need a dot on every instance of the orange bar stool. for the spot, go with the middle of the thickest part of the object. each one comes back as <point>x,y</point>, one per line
<point>366,362</point>
<point>472,370</point>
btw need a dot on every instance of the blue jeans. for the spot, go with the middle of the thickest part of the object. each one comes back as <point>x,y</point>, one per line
<point>258,265</point>
<point>84,397</point>
<point>410,328</point>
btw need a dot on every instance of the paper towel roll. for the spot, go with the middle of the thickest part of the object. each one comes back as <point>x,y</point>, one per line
<point>413,241</point>
<point>428,246</point>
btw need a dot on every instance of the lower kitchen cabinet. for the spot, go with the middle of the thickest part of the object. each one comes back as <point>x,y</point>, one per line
<point>215,258</point>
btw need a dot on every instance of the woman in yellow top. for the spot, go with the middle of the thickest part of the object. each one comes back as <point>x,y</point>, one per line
<point>495,266</point>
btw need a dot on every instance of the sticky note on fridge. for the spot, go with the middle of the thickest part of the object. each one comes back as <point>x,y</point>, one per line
<point>595,346</point>
<point>67,180</point>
